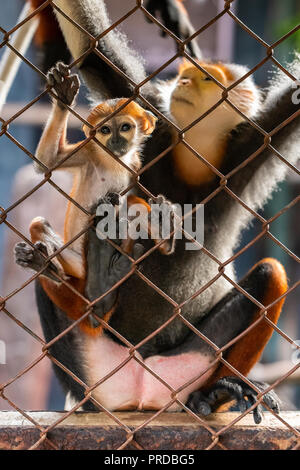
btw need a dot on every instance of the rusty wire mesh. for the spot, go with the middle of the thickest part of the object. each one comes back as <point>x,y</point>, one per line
<point>216,436</point>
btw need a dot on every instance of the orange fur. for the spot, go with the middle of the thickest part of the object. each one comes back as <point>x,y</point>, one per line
<point>133,109</point>
<point>71,260</point>
<point>128,244</point>
<point>48,29</point>
<point>191,170</point>
<point>201,95</point>
<point>72,304</point>
<point>64,297</point>
<point>199,173</point>
<point>132,199</point>
<point>218,70</point>
<point>181,7</point>
<point>244,354</point>
<point>225,71</point>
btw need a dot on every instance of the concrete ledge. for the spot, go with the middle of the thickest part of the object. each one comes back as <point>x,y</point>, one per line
<point>170,431</point>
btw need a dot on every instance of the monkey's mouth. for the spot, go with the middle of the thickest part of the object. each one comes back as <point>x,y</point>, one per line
<point>181,99</point>
<point>119,153</point>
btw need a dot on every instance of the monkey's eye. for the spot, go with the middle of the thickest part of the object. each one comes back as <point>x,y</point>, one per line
<point>105,130</point>
<point>125,127</point>
<point>207,79</point>
<point>185,81</point>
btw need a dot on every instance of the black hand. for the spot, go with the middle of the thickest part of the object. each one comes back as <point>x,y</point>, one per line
<point>175,19</point>
<point>65,85</point>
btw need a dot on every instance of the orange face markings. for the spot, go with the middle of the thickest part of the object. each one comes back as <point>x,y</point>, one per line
<point>219,71</point>
<point>103,110</point>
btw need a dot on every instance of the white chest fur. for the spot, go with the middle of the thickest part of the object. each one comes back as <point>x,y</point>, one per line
<point>91,183</point>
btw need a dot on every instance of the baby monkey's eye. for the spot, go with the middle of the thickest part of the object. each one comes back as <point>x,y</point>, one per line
<point>125,127</point>
<point>207,79</point>
<point>105,130</point>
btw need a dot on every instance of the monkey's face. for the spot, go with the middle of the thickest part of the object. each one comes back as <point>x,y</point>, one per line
<point>195,93</point>
<point>119,134</point>
<point>124,133</point>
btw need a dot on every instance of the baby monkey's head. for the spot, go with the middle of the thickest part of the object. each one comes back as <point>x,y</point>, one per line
<point>126,130</point>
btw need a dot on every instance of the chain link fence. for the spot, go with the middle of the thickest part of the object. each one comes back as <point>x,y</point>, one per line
<point>132,432</point>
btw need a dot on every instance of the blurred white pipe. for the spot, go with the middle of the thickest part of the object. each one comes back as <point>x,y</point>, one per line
<point>10,62</point>
<point>273,371</point>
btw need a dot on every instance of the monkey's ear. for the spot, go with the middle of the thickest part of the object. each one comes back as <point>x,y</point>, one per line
<point>148,122</point>
<point>86,129</point>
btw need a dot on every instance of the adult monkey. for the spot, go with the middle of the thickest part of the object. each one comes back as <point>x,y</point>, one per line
<point>226,313</point>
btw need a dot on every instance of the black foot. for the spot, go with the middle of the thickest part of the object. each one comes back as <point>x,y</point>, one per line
<point>32,258</point>
<point>228,389</point>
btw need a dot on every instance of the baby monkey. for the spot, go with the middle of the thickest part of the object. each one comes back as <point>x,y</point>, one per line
<point>95,172</point>
<point>96,175</point>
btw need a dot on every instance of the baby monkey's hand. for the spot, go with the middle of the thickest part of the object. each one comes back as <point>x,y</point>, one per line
<point>66,86</point>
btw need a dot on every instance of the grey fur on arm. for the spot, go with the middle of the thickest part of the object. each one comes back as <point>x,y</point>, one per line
<point>99,77</point>
<point>255,182</point>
